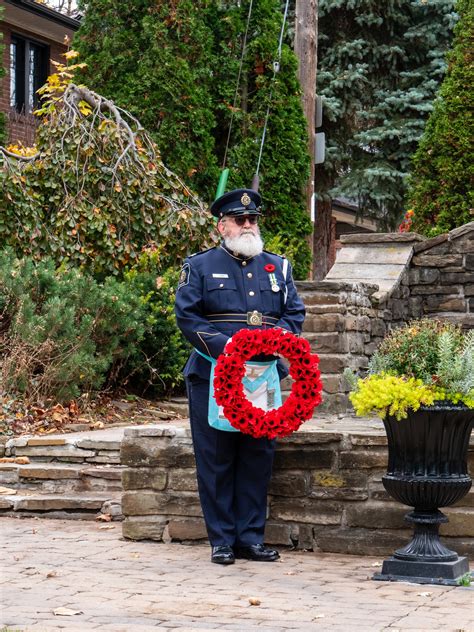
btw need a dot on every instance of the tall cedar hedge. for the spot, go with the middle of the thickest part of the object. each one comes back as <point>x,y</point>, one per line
<point>441,192</point>
<point>175,66</point>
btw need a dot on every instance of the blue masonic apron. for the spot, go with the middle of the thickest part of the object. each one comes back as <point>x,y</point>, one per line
<point>261,387</point>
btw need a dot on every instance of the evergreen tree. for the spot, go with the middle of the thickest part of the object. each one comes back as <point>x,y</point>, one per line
<point>284,160</point>
<point>154,59</point>
<point>441,184</point>
<point>380,64</point>
<point>175,66</point>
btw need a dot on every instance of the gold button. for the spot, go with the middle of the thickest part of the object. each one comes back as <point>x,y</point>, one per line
<point>249,274</point>
<point>251,293</point>
<point>244,263</point>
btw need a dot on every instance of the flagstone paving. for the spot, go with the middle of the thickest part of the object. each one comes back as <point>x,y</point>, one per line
<point>116,585</point>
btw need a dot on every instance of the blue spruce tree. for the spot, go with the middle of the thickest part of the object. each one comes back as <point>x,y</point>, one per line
<point>380,65</point>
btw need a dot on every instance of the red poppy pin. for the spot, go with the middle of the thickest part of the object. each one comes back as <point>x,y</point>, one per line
<point>269,267</point>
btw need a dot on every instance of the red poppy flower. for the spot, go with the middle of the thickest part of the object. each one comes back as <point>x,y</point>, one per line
<point>269,267</point>
<point>305,393</point>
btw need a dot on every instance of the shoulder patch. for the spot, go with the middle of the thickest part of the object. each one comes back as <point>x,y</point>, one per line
<point>184,275</point>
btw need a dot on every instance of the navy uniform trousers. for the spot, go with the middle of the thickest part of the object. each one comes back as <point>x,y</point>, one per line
<point>216,292</point>
<point>233,472</point>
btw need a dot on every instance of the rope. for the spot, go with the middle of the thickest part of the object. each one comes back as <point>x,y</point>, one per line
<point>244,46</point>
<point>276,69</point>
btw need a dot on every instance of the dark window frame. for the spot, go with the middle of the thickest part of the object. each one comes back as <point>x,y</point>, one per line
<point>23,98</point>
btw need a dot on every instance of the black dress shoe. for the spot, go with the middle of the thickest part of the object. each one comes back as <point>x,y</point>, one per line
<point>222,554</point>
<point>257,553</point>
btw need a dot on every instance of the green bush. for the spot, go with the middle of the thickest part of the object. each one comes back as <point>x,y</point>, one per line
<point>156,367</point>
<point>441,192</point>
<point>96,192</point>
<point>64,334</point>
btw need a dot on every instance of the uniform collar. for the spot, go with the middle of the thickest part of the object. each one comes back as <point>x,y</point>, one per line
<point>235,255</point>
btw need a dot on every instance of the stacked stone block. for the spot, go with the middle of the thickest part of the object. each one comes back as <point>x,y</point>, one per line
<point>326,492</point>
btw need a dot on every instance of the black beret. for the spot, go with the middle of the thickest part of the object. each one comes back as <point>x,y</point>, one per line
<point>237,202</point>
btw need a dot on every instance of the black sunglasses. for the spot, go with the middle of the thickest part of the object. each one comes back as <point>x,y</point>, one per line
<point>241,219</point>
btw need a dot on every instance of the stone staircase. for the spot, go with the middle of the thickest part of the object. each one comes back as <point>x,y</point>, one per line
<point>70,476</point>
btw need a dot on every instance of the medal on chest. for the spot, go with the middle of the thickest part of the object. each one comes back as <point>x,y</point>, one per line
<point>274,282</point>
<point>270,268</point>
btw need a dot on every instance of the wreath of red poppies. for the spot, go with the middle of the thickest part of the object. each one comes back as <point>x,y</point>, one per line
<point>305,392</point>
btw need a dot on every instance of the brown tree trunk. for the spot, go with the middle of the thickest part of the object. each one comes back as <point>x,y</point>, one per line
<point>322,239</point>
<point>306,41</point>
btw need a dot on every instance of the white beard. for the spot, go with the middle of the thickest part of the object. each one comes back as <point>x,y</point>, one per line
<point>247,245</point>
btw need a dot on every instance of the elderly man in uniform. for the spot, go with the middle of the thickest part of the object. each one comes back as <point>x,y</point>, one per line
<point>222,290</point>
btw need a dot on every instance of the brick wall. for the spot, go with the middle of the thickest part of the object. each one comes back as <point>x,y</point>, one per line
<point>21,127</point>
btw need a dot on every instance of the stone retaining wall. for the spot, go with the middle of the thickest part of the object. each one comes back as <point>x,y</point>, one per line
<point>378,282</point>
<point>326,493</point>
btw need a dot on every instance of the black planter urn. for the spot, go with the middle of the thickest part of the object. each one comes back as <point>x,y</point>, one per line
<point>427,469</point>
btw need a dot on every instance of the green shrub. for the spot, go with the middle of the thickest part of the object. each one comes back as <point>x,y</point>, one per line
<point>441,192</point>
<point>64,334</point>
<point>92,196</point>
<point>157,365</point>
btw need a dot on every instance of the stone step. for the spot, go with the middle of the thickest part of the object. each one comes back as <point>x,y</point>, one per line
<point>179,405</point>
<point>61,478</point>
<point>98,447</point>
<point>63,506</point>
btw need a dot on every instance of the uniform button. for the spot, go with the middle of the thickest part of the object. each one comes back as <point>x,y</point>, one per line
<point>244,263</point>
<point>221,285</point>
<point>251,293</point>
<point>249,274</point>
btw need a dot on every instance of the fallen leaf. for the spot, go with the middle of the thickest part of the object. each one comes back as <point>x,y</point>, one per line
<point>107,526</point>
<point>7,490</point>
<point>66,612</point>
<point>424,594</point>
<point>319,616</point>
<point>254,602</point>
<point>377,564</point>
<point>104,517</point>
<point>51,574</point>
<point>21,460</point>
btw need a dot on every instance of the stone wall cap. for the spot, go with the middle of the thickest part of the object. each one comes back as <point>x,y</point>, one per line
<point>430,243</point>
<point>460,231</point>
<point>374,238</point>
<point>158,430</point>
<point>332,285</point>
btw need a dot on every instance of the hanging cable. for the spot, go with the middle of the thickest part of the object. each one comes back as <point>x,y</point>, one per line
<point>244,50</point>
<point>276,69</point>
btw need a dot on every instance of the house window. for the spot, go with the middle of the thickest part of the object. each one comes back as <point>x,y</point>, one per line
<point>28,72</point>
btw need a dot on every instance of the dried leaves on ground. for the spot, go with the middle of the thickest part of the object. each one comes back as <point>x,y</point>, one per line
<point>18,418</point>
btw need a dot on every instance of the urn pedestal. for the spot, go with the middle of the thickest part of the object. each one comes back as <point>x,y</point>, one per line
<point>427,469</point>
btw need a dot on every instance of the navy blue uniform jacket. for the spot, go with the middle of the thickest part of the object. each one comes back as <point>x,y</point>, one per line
<point>216,291</point>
